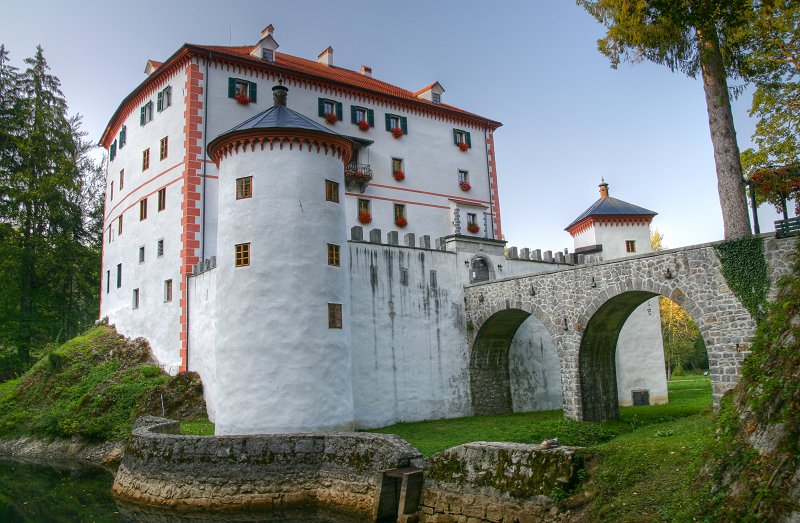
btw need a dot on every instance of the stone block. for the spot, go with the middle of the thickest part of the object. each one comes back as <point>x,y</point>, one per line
<point>392,238</point>
<point>375,236</point>
<point>559,258</point>
<point>425,242</point>
<point>357,233</point>
<point>536,255</point>
<point>409,240</point>
<point>525,254</point>
<point>512,253</point>
<point>548,256</point>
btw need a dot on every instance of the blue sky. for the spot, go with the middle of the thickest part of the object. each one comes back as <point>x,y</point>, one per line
<point>569,119</point>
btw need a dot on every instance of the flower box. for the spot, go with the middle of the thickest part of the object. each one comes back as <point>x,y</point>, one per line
<point>331,118</point>
<point>399,176</point>
<point>242,99</point>
<point>363,125</point>
<point>463,146</point>
<point>465,186</point>
<point>397,132</point>
<point>364,217</point>
<point>473,228</point>
<point>401,222</point>
<point>353,175</point>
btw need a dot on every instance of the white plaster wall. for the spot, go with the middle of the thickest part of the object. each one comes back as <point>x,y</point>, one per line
<point>431,159</point>
<point>613,237</point>
<point>640,355</point>
<point>279,367</point>
<point>586,238</point>
<point>410,357</point>
<point>155,319</point>
<point>203,335</point>
<point>534,369</point>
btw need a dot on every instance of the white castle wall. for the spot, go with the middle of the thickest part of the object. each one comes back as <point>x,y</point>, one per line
<point>534,369</point>
<point>155,319</point>
<point>279,367</point>
<point>203,335</point>
<point>640,355</point>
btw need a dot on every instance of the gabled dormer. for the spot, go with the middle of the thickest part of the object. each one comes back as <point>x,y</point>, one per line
<point>151,66</point>
<point>266,47</point>
<point>432,93</point>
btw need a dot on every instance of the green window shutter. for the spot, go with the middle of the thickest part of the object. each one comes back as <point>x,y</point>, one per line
<point>113,152</point>
<point>455,136</point>
<point>321,107</point>
<point>466,137</point>
<point>353,114</point>
<point>231,87</point>
<point>160,101</point>
<point>141,115</point>
<point>252,86</point>
<point>404,124</point>
<point>371,117</point>
<point>388,122</point>
<point>339,111</point>
<point>122,137</point>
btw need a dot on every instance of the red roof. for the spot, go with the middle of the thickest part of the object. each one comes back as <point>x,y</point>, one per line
<point>307,68</point>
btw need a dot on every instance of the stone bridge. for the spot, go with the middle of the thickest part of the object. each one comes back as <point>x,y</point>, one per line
<point>584,308</point>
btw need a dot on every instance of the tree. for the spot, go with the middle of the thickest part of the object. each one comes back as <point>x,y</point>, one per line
<point>693,37</point>
<point>49,191</point>
<point>773,65</point>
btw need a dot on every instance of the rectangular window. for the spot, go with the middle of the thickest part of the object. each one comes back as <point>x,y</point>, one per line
<point>462,139</point>
<point>436,98</point>
<point>109,235</point>
<point>397,165</point>
<point>362,114</point>
<point>399,211</point>
<point>331,191</point>
<point>463,176</point>
<point>244,187</point>
<point>160,248</point>
<point>167,290</point>
<point>331,110</point>
<point>242,254</point>
<point>363,206</point>
<point>112,191</point>
<point>119,275</point>
<point>119,225</point>
<point>394,121</point>
<point>108,281</point>
<point>135,303</point>
<point>333,254</point>
<point>123,137</point>
<point>122,179</point>
<point>143,209</point>
<point>141,254</point>
<point>434,283</point>
<point>162,199</point>
<point>630,245</point>
<point>334,315</point>
<point>268,55</point>
<point>404,276</point>
<point>112,151</point>
<point>146,113</point>
<point>163,148</point>
<point>242,91</point>
<point>472,218</point>
<point>164,98</point>
<point>145,159</point>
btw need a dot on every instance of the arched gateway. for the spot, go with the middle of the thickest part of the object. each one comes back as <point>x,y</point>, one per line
<point>584,309</point>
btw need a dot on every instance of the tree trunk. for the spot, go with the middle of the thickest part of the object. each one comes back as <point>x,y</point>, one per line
<point>732,199</point>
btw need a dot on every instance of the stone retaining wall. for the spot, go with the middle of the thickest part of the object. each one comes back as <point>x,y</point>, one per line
<point>497,482</point>
<point>276,471</point>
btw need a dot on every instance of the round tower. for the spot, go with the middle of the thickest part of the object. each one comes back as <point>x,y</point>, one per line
<point>283,356</point>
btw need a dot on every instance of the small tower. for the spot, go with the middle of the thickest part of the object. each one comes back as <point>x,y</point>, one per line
<point>283,351</point>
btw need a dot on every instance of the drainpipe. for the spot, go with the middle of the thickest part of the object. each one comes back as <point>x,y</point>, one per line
<point>489,177</point>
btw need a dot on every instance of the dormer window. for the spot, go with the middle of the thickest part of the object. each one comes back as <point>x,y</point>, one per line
<point>268,55</point>
<point>436,98</point>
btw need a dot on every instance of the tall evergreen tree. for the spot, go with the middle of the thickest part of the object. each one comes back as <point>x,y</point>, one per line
<point>693,37</point>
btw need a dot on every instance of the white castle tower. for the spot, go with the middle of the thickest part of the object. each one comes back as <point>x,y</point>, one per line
<point>283,357</point>
<point>609,229</point>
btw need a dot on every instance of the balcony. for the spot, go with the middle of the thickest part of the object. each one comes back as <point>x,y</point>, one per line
<point>357,175</point>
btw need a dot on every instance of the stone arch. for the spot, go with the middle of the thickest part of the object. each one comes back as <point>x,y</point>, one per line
<point>490,382</point>
<point>481,269</point>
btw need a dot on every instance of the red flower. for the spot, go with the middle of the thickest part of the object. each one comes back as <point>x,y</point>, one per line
<point>399,176</point>
<point>463,146</point>
<point>473,228</point>
<point>364,217</point>
<point>331,118</point>
<point>363,125</point>
<point>465,186</point>
<point>242,98</point>
<point>397,132</point>
<point>400,221</point>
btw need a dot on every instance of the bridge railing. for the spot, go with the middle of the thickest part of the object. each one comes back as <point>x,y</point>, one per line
<point>788,227</point>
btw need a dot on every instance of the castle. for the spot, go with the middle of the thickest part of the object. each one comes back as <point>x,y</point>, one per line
<point>301,234</point>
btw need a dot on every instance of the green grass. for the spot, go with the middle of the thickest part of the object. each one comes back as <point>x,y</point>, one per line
<point>687,397</point>
<point>197,427</point>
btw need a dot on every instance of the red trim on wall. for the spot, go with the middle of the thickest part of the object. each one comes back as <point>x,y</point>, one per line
<point>615,219</point>
<point>498,230</point>
<point>111,221</point>
<point>139,187</point>
<point>448,196</point>
<point>395,200</point>
<point>190,192</point>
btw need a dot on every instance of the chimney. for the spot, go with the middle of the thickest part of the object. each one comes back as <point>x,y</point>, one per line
<point>279,93</point>
<point>603,189</point>
<point>326,56</point>
<point>267,31</point>
<point>366,70</point>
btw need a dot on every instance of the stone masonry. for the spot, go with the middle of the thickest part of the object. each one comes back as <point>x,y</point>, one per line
<point>584,308</point>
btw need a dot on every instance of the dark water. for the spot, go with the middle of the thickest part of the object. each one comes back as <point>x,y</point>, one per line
<point>69,491</point>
